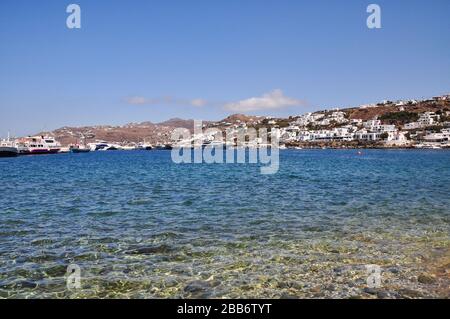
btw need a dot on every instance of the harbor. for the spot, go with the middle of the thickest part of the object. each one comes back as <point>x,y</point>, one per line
<point>401,124</point>
<point>45,145</point>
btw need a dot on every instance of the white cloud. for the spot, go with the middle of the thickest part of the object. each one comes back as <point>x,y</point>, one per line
<point>136,100</point>
<point>198,102</point>
<point>269,101</point>
<point>168,100</point>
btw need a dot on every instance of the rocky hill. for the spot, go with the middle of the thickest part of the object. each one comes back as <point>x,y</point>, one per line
<point>130,133</point>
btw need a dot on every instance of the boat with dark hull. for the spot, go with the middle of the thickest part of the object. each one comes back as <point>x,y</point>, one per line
<point>80,150</point>
<point>163,147</point>
<point>77,148</point>
<point>8,149</point>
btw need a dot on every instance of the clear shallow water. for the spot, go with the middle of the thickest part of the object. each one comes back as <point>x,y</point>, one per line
<point>140,226</point>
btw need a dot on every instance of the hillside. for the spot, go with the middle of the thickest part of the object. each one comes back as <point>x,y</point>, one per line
<point>420,107</point>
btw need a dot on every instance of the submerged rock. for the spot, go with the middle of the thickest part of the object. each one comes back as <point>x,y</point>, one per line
<point>406,292</point>
<point>161,249</point>
<point>197,285</point>
<point>26,284</point>
<point>371,291</point>
<point>426,279</point>
<point>199,289</point>
<point>394,270</point>
<point>383,294</point>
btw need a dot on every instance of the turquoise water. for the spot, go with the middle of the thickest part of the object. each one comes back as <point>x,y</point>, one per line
<point>140,226</point>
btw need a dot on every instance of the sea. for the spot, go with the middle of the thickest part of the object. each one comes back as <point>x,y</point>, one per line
<point>134,224</point>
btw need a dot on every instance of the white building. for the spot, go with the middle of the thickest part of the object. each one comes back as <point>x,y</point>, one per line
<point>386,128</point>
<point>356,121</point>
<point>338,117</point>
<point>412,126</point>
<point>425,119</point>
<point>397,139</point>
<point>371,124</point>
<point>363,135</point>
<point>428,118</point>
<point>436,137</point>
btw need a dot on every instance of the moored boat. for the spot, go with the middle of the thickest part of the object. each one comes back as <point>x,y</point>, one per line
<point>8,149</point>
<point>163,147</point>
<point>36,145</point>
<point>64,150</point>
<point>79,149</point>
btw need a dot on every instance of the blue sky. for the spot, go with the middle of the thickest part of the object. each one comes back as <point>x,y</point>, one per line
<point>154,60</point>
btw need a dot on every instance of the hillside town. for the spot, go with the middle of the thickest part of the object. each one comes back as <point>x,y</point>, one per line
<point>419,124</point>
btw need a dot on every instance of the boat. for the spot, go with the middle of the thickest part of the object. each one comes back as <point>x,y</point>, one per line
<point>35,145</point>
<point>144,147</point>
<point>163,147</point>
<point>428,146</point>
<point>110,147</point>
<point>80,149</point>
<point>8,149</point>
<point>98,146</point>
<point>129,148</point>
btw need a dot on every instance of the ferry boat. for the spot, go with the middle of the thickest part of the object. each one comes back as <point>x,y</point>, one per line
<point>8,149</point>
<point>35,145</point>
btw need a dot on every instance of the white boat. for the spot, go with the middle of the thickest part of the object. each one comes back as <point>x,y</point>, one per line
<point>129,148</point>
<point>428,146</point>
<point>111,147</point>
<point>101,146</point>
<point>34,145</point>
<point>64,150</point>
